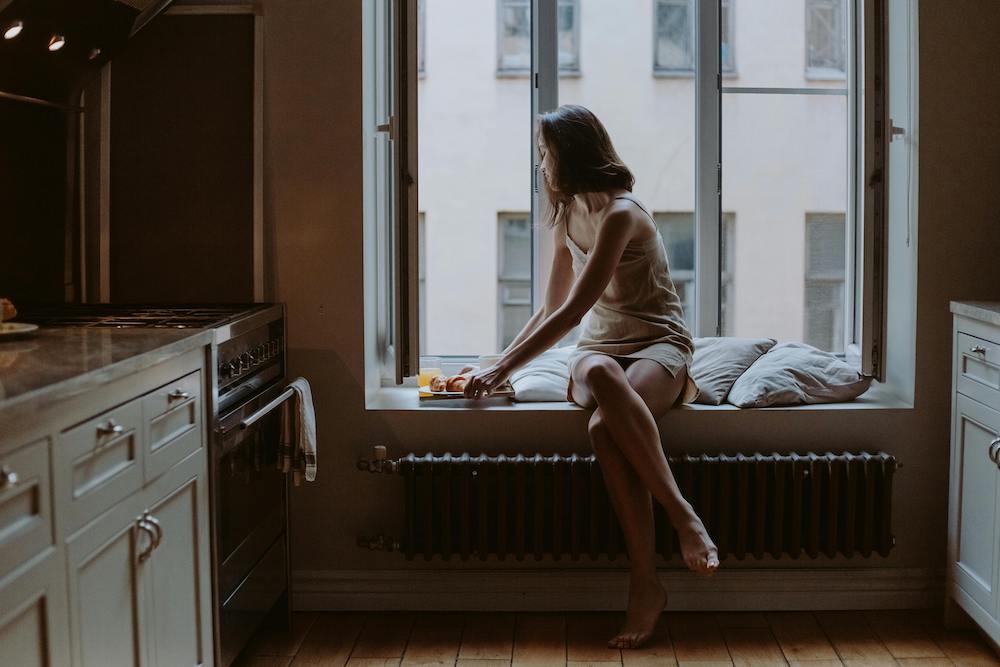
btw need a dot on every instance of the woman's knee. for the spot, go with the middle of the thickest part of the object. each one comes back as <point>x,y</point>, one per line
<point>604,374</point>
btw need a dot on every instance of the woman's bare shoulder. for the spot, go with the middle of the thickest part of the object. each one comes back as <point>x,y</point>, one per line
<point>629,215</point>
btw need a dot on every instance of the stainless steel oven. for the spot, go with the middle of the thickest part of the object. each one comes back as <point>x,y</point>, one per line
<point>249,491</point>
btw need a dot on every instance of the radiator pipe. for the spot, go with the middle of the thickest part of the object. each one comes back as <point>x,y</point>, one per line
<point>380,463</point>
<point>379,543</point>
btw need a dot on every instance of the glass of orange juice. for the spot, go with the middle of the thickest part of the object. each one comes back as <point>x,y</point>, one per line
<point>429,367</point>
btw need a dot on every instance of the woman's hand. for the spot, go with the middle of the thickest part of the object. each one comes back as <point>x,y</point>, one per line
<point>481,383</point>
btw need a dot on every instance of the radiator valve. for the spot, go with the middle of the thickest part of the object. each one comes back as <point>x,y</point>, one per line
<point>379,463</point>
<point>380,543</point>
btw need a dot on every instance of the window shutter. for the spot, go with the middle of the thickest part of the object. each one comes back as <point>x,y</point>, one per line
<point>874,233</point>
<point>406,274</point>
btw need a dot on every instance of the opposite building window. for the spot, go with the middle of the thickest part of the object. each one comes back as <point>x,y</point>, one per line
<point>422,253</point>
<point>673,50</point>
<point>824,281</point>
<point>826,39</point>
<point>513,276</point>
<point>514,39</point>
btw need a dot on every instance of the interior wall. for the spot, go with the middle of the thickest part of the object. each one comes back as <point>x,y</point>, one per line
<point>313,202</point>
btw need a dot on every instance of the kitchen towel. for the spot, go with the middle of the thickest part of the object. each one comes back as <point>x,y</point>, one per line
<point>298,433</point>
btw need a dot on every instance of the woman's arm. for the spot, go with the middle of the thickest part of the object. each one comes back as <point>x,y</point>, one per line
<point>613,235</point>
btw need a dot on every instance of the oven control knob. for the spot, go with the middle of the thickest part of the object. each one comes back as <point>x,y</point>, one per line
<point>261,351</point>
<point>245,361</point>
<point>234,369</point>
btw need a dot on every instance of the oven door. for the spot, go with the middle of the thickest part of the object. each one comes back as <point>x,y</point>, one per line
<point>250,517</point>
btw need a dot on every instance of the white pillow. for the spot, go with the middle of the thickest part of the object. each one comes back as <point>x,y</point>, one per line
<point>795,373</point>
<point>544,378</point>
<point>718,362</point>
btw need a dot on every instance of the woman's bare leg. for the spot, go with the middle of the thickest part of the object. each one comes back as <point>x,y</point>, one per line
<point>656,390</point>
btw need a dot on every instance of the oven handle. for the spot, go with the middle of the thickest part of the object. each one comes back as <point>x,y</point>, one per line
<point>260,414</point>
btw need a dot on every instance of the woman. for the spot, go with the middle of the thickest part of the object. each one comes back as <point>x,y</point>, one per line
<point>631,362</point>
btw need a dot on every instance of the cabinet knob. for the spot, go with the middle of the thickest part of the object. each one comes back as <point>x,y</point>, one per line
<point>994,446</point>
<point>977,349</point>
<point>8,478</point>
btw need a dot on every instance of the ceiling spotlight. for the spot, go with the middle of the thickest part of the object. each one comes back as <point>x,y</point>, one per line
<point>57,42</point>
<point>13,29</point>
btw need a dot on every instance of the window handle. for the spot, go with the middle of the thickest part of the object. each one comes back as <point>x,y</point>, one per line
<point>895,131</point>
<point>388,127</point>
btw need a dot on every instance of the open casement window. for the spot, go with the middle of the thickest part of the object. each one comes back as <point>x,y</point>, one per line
<point>769,182</point>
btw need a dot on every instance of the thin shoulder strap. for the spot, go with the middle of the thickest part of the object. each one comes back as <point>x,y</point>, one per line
<point>641,207</point>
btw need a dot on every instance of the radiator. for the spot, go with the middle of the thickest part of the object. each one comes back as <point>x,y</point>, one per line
<point>518,506</point>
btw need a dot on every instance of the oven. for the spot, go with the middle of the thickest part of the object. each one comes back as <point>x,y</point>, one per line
<point>249,492</point>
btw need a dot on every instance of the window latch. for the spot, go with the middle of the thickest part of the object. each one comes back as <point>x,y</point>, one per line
<point>895,131</point>
<point>388,127</point>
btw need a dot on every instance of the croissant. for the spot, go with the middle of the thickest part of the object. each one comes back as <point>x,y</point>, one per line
<point>457,383</point>
<point>7,310</point>
<point>438,383</point>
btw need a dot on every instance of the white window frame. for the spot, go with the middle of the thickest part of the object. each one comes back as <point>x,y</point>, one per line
<point>867,225</point>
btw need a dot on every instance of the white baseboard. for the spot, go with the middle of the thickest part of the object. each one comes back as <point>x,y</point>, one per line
<point>606,590</point>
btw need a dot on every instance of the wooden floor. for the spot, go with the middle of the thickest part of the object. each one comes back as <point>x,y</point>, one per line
<point>699,639</point>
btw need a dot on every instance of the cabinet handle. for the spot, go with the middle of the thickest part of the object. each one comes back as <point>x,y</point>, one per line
<point>155,523</point>
<point>993,451</point>
<point>8,478</point>
<point>147,528</point>
<point>178,395</point>
<point>111,428</point>
<point>977,349</point>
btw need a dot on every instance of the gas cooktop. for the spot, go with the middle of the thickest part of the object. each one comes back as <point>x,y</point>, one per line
<point>136,316</point>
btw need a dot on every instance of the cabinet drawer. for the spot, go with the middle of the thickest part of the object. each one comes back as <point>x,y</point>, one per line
<point>977,368</point>
<point>100,462</point>
<point>25,505</point>
<point>173,420</point>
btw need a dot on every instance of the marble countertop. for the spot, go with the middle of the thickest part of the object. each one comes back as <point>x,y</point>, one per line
<point>985,311</point>
<point>61,361</point>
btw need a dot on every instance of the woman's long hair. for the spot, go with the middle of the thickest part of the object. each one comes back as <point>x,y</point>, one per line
<point>584,157</point>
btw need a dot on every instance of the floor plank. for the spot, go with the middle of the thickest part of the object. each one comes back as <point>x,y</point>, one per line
<point>925,662</point>
<point>741,619</point>
<point>434,640</point>
<point>462,662</point>
<point>965,647</point>
<point>753,646</point>
<point>658,651</point>
<point>904,632</point>
<point>384,635</point>
<point>539,639</point>
<point>373,662</point>
<point>329,640</point>
<point>488,637</point>
<point>853,639</point>
<point>587,637</point>
<point>696,638</point>
<point>262,661</point>
<point>815,663</point>
<point>800,636</point>
<point>275,639</point>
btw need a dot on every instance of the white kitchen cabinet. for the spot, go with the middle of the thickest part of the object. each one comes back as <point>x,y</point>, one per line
<point>973,574</point>
<point>104,526</point>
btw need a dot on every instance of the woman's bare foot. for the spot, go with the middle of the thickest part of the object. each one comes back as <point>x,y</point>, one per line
<point>646,599</point>
<point>697,549</point>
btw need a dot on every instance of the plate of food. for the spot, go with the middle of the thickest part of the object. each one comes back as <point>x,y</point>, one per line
<point>12,329</point>
<point>453,386</point>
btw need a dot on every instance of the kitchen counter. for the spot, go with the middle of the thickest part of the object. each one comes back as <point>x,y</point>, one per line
<point>56,363</point>
<point>984,311</point>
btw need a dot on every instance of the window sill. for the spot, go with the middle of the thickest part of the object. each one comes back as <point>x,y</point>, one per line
<point>879,397</point>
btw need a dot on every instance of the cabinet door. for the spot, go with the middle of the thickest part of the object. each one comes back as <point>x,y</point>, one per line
<point>106,587</point>
<point>180,611</point>
<point>33,616</point>
<point>976,477</point>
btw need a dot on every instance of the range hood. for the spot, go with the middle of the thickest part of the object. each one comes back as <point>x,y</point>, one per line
<point>50,49</point>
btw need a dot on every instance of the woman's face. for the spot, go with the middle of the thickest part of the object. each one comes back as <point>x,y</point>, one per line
<point>546,163</point>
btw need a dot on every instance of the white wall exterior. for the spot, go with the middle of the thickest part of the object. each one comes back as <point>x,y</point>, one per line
<point>783,156</point>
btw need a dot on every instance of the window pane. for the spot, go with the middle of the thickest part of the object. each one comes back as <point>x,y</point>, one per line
<point>515,35</point>
<point>788,43</point>
<point>422,252</point>
<point>468,174</point>
<point>677,231</point>
<point>569,52</point>
<point>727,56</point>
<point>826,44</point>
<point>782,157</point>
<point>674,35</point>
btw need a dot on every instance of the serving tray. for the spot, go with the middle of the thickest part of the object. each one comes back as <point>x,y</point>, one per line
<point>504,391</point>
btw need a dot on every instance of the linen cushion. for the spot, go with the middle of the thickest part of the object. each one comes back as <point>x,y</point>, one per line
<point>797,373</point>
<point>544,378</point>
<point>718,362</point>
